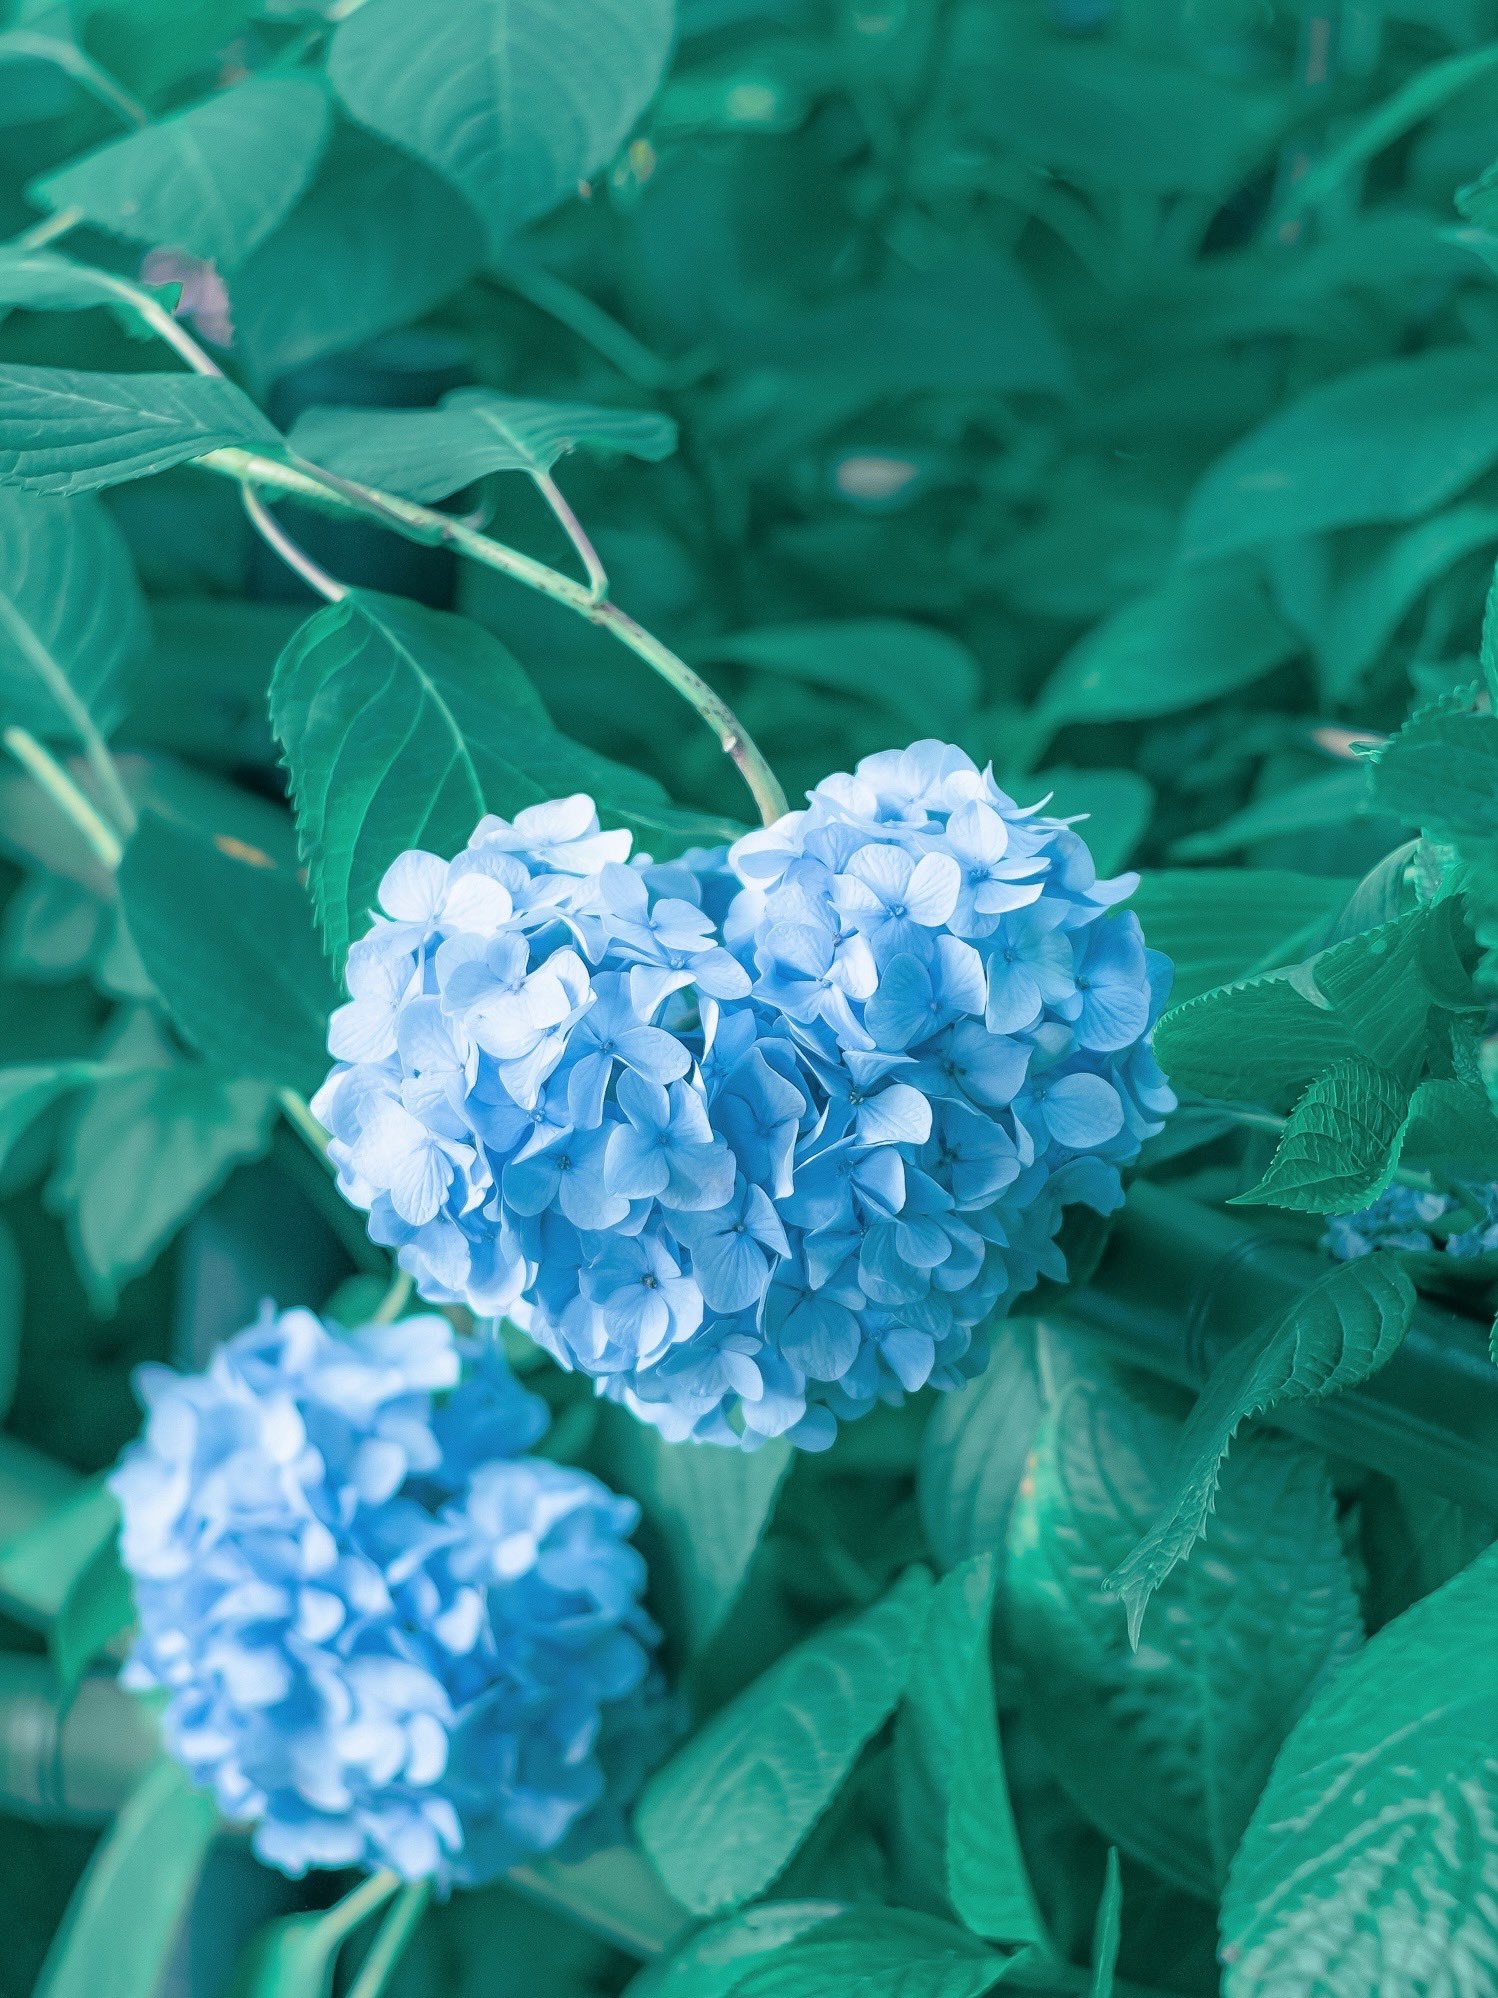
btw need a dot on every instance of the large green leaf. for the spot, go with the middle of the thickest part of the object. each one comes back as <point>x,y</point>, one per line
<point>377,241</point>
<point>426,454</point>
<point>72,619</point>
<point>1339,1147</point>
<point>726,1813</point>
<point>515,101</point>
<point>1335,1336</point>
<point>145,1149</point>
<point>924,677</point>
<point>214,179</point>
<point>1198,636</point>
<point>122,1923</point>
<point>403,726</point>
<point>1218,923</point>
<point>876,1953</point>
<point>65,432</point>
<point>1370,1864</point>
<point>1311,807</point>
<point>716,1958</point>
<point>227,939</point>
<point>1383,443</point>
<point>1259,1041</point>
<point>1440,772</point>
<point>1367,611</point>
<point>1166,1748</point>
<point>709,1510</point>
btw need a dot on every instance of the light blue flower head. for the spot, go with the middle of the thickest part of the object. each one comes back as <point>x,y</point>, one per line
<point>759,1178</point>
<point>386,1637</point>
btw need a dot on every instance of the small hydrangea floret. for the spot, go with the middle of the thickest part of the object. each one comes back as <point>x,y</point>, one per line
<point>757,1139</point>
<point>386,1636</point>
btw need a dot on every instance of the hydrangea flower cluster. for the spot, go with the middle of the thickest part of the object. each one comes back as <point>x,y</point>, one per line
<point>1408,1217</point>
<point>756,1140</point>
<point>387,1637</point>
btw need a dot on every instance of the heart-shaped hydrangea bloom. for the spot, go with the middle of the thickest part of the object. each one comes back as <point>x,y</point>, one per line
<point>387,1637</point>
<point>750,1189</point>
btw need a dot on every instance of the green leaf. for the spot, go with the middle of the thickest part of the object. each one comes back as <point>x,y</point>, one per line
<point>426,454</point>
<point>716,1959</point>
<point>12,1298</point>
<point>1339,1149</point>
<point>98,1605</point>
<point>1260,1041</point>
<point>1368,609</point>
<point>1334,1337</point>
<point>1108,1932</point>
<point>1216,924</point>
<point>1318,803</point>
<point>377,241</point>
<point>1166,1748</point>
<point>709,1510</point>
<point>1440,772</point>
<point>64,432</point>
<point>213,180</point>
<point>922,676</point>
<point>727,1812</point>
<point>402,726</point>
<point>143,1153</point>
<point>39,1568</point>
<point>515,101</point>
<point>227,939</point>
<point>876,1953</point>
<point>1421,95</point>
<point>72,619</point>
<point>26,1092</point>
<point>1369,1864</point>
<point>46,282</point>
<point>1200,635</point>
<point>122,1923</point>
<point>1387,442</point>
<point>976,1442</point>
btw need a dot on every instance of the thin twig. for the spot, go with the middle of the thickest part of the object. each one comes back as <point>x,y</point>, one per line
<point>395,1300</point>
<point>298,1113</point>
<point>572,527</point>
<point>59,786</point>
<point>48,229</point>
<point>395,1931</point>
<point>295,557</point>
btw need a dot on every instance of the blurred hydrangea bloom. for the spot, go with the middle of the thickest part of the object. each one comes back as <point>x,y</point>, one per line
<point>1409,1218</point>
<point>386,1636</point>
<point>756,1141</point>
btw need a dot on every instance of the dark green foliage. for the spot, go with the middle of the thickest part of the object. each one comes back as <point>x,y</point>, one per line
<point>1108,386</point>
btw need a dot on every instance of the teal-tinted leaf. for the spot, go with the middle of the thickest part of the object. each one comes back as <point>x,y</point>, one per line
<point>1302,808</point>
<point>1339,1149</point>
<point>39,1567</point>
<point>1383,443</point>
<point>1166,1748</point>
<point>726,1813</point>
<point>426,454</point>
<point>972,327</point>
<point>118,1934</point>
<point>876,1953</point>
<point>1440,772</point>
<point>1108,1932</point>
<point>12,1298</point>
<point>1335,1336</point>
<point>1198,636</point>
<point>709,1510</point>
<point>977,1440</point>
<point>714,1962</point>
<point>27,1091</point>
<point>212,180</point>
<point>1217,924</point>
<point>1418,98</point>
<point>97,1606</point>
<point>402,726</point>
<point>922,676</point>
<point>227,939</point>
<point>1369,1864</point>
<point>1260,1041</point>
<point>46,282</point>
<point>64,432</point>
<point>297,1955</point>
<point>1367,610</point>
<point>145,1150</point>
<point>72,619</point>
<point>515,101</point>
<point>51,929</point>
<point>376,242</point>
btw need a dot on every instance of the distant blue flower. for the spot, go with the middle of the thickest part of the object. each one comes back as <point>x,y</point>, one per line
<point>760,1139</point>
<point>1418,1221</point>
<point>387,1637</point>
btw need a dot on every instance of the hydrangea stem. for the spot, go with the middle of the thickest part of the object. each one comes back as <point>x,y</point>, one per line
<point>395,1931</point>
<point>59,786</point>
<point>304,480</point>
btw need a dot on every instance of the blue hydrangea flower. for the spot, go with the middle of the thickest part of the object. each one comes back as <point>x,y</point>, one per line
<point>1411,1218</point>
<point>386,1636</point>
<point>758,1139</point>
